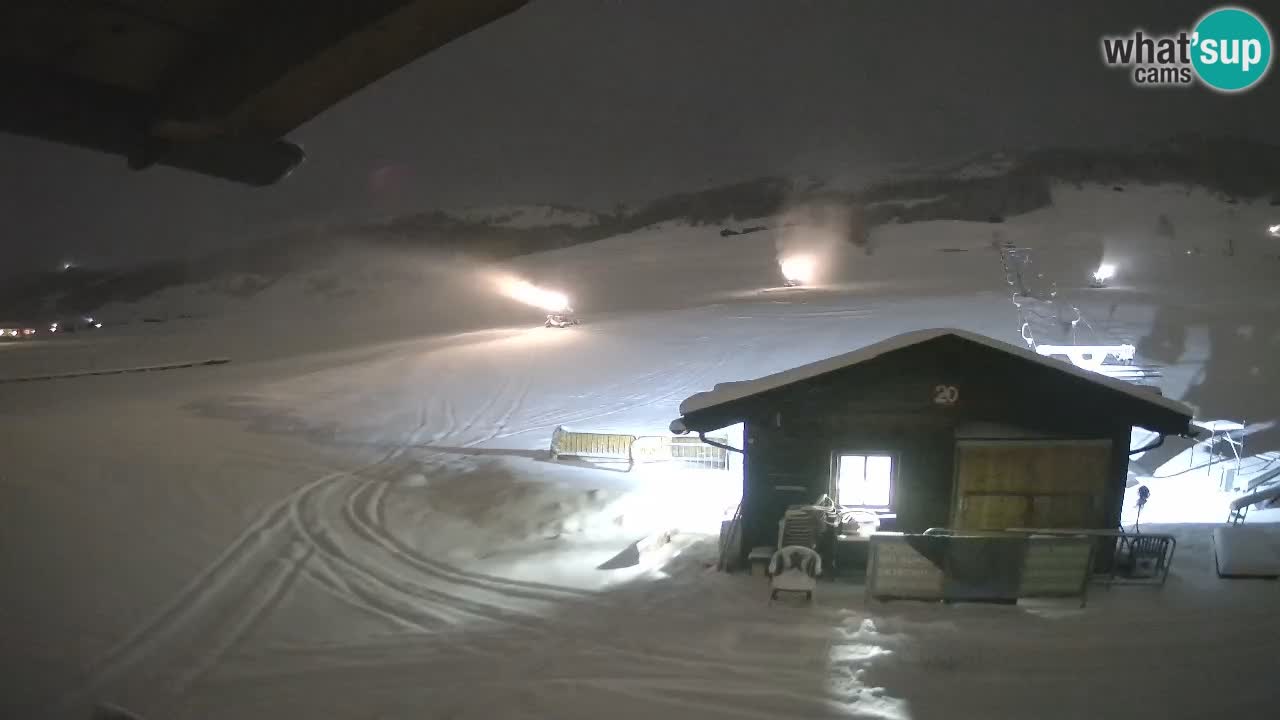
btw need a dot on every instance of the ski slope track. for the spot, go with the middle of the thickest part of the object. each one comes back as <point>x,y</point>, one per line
<point>328,532</point>
<point>358,518</point>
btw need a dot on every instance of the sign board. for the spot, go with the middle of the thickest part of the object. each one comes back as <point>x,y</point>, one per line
<point>898,569</point>
<point>977,567</point>
<point>946,394</point>
<point>606,446</point>
<point>1056,566</point>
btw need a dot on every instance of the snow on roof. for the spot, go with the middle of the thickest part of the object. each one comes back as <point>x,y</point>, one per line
<point>728,392</point>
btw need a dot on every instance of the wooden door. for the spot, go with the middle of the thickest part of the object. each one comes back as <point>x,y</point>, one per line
<point>1031,483</point>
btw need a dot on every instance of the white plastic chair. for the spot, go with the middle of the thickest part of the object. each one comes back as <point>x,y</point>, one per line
<point>794,569</point>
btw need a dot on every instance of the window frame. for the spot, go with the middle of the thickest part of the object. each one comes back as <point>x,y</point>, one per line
<point>866,453</point>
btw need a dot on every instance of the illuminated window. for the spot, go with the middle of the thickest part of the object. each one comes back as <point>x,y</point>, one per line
<point>864,481</point>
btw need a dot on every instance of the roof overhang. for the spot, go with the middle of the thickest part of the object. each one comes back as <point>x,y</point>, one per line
<point>210,86</point>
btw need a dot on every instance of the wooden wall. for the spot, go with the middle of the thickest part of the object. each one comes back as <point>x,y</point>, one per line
<point>791,436</point>
<point>799,455</point>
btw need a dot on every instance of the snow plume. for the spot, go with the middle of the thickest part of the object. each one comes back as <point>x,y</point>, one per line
<point>811,241</point>
<point>530,294</point>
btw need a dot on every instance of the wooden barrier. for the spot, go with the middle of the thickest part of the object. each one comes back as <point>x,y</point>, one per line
<point>987,567</point>
<point>1120,558</point>
<point>905,567</point>
<point>1056,567</point>
<point>594,446</point>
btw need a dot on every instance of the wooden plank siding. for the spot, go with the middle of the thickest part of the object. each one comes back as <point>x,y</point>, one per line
<point>1031,483</point>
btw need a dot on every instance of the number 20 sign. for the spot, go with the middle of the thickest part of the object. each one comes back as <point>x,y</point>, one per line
<point>945,394</point>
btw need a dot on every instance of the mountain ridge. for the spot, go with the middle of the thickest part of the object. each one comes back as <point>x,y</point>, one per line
<point>985,187</point>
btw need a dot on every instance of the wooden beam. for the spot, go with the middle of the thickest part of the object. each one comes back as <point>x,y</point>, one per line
<point>38,103</point>
<point>272,67</point>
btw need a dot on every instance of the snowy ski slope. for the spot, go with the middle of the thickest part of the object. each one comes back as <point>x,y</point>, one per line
<point>355,519</point>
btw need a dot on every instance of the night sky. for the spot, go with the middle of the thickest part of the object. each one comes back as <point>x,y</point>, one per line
<point>595,102</point>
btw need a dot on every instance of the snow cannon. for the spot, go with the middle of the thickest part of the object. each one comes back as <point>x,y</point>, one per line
<point>798,270</point>
<point>561,319</point>
<point>554,304</point>
<point>1100,276</point>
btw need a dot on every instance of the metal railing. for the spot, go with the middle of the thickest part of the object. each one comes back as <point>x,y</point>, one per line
<point>1124,558</point>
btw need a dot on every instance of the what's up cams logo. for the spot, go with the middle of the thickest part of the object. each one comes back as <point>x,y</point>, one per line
<point>1228,50</point>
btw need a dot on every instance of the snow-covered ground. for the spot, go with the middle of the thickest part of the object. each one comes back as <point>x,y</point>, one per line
<point>356,518</point>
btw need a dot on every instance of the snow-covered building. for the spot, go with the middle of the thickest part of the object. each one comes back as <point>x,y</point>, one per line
<point>935,428</point>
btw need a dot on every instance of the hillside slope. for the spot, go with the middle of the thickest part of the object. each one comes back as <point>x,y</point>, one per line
<point>990,188</point>
<point>357,517</point>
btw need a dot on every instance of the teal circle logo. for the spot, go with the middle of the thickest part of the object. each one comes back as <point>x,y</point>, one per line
<point>1231,49</point>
